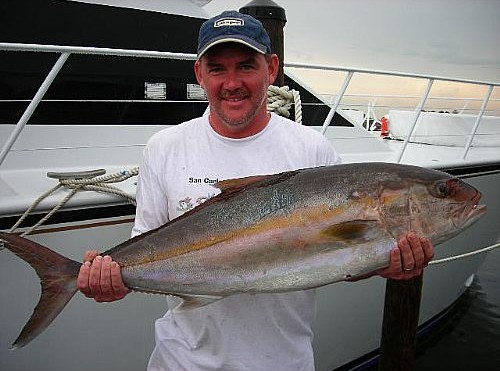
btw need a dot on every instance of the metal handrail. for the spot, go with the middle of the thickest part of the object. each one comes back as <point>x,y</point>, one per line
<point>188,56</point>
<point>95,51</point>
<point>66,51</point>
<point>337,101</point>
<point>478,120</point>
<point>325,67</point>
<point>32,106</point>
<point>418,111</point>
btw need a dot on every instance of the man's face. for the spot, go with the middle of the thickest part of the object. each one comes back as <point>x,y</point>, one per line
<point>236,79</point>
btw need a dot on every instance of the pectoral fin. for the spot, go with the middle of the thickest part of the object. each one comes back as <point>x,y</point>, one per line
<point>354,232</point>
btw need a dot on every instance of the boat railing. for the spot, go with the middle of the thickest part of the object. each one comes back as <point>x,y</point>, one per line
<point>420,108</point>
<point>374,109</point>
<point>65,51</point>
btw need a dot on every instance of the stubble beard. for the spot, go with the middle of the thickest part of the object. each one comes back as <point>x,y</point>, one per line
<point>248,116</point>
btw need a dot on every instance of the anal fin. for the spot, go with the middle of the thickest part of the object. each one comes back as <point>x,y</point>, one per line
<point>195,301</point>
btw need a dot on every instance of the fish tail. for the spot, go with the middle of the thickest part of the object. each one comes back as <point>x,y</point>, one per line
<point>58,276</point>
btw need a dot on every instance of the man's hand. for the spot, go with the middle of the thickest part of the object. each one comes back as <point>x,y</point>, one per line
<point>100,278</point>
<point>409,258</point>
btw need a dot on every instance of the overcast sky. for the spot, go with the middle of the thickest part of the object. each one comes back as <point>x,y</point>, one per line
<point>454,38</point>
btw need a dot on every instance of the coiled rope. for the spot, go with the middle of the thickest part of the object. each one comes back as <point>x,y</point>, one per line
<point>281,99</point>
<point>75,184</point>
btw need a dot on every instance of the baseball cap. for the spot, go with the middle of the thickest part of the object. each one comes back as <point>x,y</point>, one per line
<point>233,26</point>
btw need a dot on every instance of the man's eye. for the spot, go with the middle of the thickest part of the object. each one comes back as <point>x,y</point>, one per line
<point>214,69</point>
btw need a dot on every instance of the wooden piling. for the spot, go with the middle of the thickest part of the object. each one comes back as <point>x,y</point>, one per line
<point>399,328</point>
<point>273,19</point>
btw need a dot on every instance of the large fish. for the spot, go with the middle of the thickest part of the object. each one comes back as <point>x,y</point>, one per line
<point>291,231</point>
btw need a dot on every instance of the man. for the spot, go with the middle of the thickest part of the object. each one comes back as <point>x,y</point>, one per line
<point>238,138</point>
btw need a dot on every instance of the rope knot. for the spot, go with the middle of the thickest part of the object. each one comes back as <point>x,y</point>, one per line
<point>281,99</point>
<point>79,181</point>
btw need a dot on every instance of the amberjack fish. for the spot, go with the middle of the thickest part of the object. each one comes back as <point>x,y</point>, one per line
<point>275,233</point>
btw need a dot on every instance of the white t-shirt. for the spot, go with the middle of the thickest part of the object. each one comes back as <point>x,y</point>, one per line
<point>241,332</point>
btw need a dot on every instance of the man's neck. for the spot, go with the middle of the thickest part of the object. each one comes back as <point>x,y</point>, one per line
<point>237,133</point>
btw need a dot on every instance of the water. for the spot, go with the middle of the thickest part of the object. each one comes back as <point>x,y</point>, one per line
<point>470,338</point>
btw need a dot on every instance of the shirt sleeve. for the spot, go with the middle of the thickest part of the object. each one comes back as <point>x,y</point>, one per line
<point>326,153</point>
<point>152,202</point>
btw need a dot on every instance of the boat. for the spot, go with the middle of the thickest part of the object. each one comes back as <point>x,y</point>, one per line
<point>109,86</point>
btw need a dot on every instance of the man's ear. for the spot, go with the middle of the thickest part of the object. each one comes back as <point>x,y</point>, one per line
<point>273,66</point>
<point>198,73</point>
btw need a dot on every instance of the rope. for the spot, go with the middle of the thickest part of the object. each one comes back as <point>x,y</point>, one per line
<point>281,99</point>
<point>96,184</point>
<point>33,205</point>
<point>456,257</point>
<point>111,190</point>
<point>111,178</point>
<point>100,184</point>
<point>298,106</point>
<point>49,214</point>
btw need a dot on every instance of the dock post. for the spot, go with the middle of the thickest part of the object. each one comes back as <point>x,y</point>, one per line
<point>273,19</point>
<point>399,328</point>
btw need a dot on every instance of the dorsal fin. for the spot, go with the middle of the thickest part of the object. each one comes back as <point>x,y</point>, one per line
<point>237,184</point>
<point>231,185</point>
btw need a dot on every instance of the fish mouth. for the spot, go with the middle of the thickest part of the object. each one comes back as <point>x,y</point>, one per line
<point>476,211</point>
<point>473,213</point>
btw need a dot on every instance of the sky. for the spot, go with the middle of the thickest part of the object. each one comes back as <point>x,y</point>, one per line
<point>440,37</point>
<point>449,38</point>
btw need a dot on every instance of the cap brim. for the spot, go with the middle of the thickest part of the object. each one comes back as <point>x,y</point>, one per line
<point>261,49</point>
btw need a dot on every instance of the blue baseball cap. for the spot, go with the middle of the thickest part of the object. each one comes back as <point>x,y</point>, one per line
<point>233,26</point>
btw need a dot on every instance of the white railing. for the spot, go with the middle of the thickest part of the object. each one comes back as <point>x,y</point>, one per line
<point>441,103</point>
<point>66,51</point>
<point>430,81</point>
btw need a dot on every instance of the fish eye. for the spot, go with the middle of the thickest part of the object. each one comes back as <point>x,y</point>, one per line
<point>442,189</point>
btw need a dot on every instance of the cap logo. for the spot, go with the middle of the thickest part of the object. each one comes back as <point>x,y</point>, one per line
<point>229,22</point>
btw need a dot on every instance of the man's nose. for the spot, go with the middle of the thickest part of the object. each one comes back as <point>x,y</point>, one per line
<point>232,81</point>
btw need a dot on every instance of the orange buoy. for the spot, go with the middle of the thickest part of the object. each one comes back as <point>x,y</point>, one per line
<point>384,126</point>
